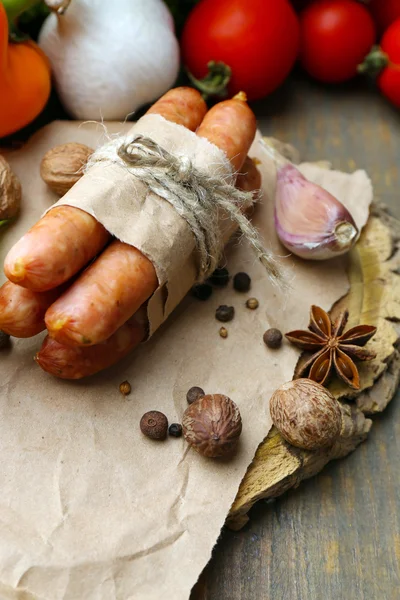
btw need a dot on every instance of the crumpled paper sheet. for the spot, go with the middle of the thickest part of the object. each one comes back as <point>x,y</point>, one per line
<point>89,508</point>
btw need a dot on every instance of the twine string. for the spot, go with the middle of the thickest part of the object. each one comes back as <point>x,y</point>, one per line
<point>197,197</point>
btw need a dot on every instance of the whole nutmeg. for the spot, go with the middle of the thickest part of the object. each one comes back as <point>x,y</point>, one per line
<point>10,192</point>
<point>306,414</point>
<point>154,424</point>
<point>212,425</point>
<point>62,166</point>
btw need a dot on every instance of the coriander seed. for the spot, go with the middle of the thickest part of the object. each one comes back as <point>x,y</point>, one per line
<point>224,313</point>
<point>223,332</point>
<point>125,388</point>
<point>252,303</point>
<point>202,291</point>
<point>272,338</point>
<point>220,277</point>
<point>175,430</point>
<point>194,394</point>
<point>154,424</point>
<point>4,339</point>
<point>241,282</point>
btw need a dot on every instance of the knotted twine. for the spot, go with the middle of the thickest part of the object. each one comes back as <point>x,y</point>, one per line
<point>196,196</point>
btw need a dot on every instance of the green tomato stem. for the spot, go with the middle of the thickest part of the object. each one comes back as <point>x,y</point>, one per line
<point>216,81</point>
<point>374,62</point>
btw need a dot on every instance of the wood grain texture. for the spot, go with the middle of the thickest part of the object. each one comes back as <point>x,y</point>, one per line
<point>338,534</point>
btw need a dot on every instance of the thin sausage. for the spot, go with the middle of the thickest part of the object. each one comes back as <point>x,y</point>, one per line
<point>54,249</point>
<point>118,291</point>
<point>66,238</point>
<point>182,105</point>
<point>22,311</point>
<point>76,362</point>
<point>231,125</point>
<point>93,308</point>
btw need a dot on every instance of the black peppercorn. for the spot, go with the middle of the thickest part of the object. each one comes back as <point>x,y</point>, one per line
<point>225,313</point>
<point>194,394</point>
<point>175,429</point>
<point>241,282</point>
<point>202,291</point>
<point>272,338</point>
<point>220,277</point>
<point>154,424</point>
<point>4,339</point>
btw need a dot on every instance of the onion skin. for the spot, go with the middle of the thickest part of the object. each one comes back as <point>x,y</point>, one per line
<point>309,221</point>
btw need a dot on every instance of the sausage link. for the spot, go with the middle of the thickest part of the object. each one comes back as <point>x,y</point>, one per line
<point>231,125</point>
<point>183,105</point>
<point>54,249</point>
<point>117,291</point>
<point>103,298</point>
<point>249,178</point>
<point>22,311</point>
<point>67,238</point>
<point>76,362</point>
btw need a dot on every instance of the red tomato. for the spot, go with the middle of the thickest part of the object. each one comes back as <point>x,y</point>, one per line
<point>384,12</point>
<point>389,79</point>
<point>336,35</point>
<point>257,39</point>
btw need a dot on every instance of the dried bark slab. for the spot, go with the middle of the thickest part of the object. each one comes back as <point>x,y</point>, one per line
<point>374,298</point>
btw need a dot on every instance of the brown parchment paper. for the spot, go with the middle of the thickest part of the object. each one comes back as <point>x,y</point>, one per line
<point>89,508</point>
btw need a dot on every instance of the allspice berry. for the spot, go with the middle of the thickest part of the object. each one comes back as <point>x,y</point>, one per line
<point>306,414</point>
<point>125,388</point>
<point>241,282</point>
<point>224,313</point>
<point>194,394</point>
<point>212,425</point>
<point>273,338</point>
<point>154,424</point>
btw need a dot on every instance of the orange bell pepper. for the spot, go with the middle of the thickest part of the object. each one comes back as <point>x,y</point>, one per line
<point>25,80</point>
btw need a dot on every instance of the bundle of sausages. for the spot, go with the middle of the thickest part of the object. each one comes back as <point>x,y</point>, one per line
<point>95,314</point>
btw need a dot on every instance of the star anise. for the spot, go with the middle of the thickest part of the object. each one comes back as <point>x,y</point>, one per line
<point>332,348</point>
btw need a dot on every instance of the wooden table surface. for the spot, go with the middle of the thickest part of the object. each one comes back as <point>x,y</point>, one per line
<point>338,535</point>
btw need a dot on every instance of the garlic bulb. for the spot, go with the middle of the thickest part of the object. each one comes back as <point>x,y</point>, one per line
<point>309,221</point>
<point>110,58</point>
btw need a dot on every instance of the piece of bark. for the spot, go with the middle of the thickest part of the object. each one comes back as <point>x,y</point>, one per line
<point>374,298</point>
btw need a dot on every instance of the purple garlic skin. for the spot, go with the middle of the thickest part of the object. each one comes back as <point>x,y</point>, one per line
<point>309,221</point>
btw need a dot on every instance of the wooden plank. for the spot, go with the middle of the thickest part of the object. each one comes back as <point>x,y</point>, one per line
<point>338,534</point>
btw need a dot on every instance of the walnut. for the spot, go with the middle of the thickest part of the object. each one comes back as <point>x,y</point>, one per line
<point>212,425</point>
<point>306,414</point>
<point>10,192</point>
<point>62,166</point>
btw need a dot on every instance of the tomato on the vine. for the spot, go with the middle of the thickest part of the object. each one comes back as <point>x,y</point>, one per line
<point>257,39</point>
<point>388,79</point>
<point>335,37</point>
<point>384,12</point>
